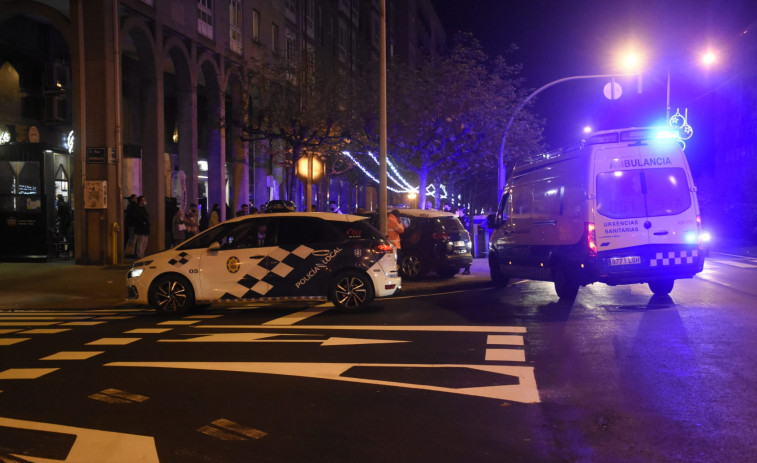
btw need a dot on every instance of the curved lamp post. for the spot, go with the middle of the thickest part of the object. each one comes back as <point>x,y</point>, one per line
<point>501,168</point>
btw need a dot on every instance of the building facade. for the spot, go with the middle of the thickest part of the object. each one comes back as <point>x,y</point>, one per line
<point>101,99</point>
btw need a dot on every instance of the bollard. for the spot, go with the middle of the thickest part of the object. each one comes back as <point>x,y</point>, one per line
<point>114,231</point>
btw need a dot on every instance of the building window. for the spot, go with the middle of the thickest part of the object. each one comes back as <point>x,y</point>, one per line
<point>291,46</point>
<point>235,25</point>
<point>275,38</point>
<point>205,18</point>
<point>255,25</point>
<point>290,11</point>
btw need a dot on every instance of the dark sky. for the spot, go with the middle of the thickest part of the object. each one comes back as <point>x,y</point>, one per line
<point>561,38</point>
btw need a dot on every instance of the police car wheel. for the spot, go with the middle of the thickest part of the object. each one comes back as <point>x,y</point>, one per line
<point>412,266</point>
<point>171,294</point>
<point>661,287</point>
<point>351,291</point>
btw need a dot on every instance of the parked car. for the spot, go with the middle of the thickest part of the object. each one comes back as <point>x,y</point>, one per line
<point>279,205</point>
<point>270,257</point>
<point>433,241</point>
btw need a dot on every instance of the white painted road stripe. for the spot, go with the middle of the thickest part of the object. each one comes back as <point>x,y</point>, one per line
<point>25,373</point>
<point>219,434</point>
<point>93,444</point>
<point>293,318</point>
<point>733,263</point>
<point>238,428</point>
<point>9,331</point>
<point>148,331</point>
<point>124,395</point>
<point>524,392</point>
<point>504,339</point>
<point>113,341</point>
<point>263,337</point>
<point>432,328</point>
<point>46,331</point>
<point>82,323</point>
<point>28,323</point>
<point>11,341</point>
<point>179,322</point>
<point>73,355</point>
<point>203,316</point>
<point>505,355</point>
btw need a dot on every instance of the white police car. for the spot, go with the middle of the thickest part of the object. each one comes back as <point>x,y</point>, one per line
<point>270,257</point>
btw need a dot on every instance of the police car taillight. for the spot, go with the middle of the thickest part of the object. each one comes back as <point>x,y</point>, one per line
<point>383,247</point>
<point>440,236</point>
<point>591,237</point>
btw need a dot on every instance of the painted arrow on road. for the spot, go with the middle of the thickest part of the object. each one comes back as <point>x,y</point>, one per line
<point>264,337</point>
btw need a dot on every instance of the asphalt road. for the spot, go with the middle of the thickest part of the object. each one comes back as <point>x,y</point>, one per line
<point>474,375</point>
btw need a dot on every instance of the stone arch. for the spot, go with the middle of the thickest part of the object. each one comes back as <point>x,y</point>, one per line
<point>37,10</point>
<point>143,165</point>
<point>211,132</point>
<point>237,117</point>
<point>180,97</point>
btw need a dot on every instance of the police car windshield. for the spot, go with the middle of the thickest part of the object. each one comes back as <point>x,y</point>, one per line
<point>627,194</point>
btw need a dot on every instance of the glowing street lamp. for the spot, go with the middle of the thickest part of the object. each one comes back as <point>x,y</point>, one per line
<point>709,57</point>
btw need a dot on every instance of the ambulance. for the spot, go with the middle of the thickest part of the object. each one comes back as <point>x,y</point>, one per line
<point>620,208</point>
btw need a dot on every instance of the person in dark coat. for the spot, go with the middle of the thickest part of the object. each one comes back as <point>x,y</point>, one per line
<point>141,227</point>
<point>129,251</point>
<point>64,216</point>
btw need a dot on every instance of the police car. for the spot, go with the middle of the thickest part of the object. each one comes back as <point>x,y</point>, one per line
<point>270,257</point>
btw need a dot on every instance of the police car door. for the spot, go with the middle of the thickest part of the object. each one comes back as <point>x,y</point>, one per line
<point>235,271</point>
<point>307,251</point>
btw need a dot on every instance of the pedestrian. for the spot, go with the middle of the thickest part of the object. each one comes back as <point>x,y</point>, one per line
<point>191,221</point>
<point>244,210</point>
<point>253,210</point>
<point>141,227</point>
<point>130,250</point>
<point>334,207</point>
<point>393,230</point>
<point>465,220</point>
<point>215,216</point>
<point>447,207</point>
<point>179,228</point>
<point>64,216</point>
<point>313,208</point>
<point>429,205</point>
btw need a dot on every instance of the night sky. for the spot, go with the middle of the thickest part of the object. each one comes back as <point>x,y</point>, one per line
<point>559,38</point>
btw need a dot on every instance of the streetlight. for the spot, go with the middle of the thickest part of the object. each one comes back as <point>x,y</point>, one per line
<point>501,164</point>
<point>708,58</point>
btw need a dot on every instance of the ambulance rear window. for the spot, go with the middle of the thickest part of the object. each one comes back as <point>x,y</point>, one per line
<point>627,194</point>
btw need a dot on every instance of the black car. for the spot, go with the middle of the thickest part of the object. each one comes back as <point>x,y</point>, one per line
<point>433,241</point>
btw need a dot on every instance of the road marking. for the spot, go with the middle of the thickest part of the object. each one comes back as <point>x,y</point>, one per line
<point>46,331</point>
<point>733,263</point>
<point>16,316</point>
<point>116,317</point>
<point>28,323</point>
<point>9,331</point>
<point>525,391</point>
<point>263,337</point>
<point>293,318</point>
<point>433,328</point>
<point>112,341</point>
<point>25,373</point>
<point>73,355</point>
<point>503,339</point>
<point>179,322</point>
<point>203,316</point>
<point>229,425</point>
<point>90,444</point>
<point>82,323</point>
<point>505,355</point>
<point>117,396</point>
<point>148,331</point>
<point>11,341</point>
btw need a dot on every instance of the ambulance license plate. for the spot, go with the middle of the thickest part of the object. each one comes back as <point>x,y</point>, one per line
<point>625,260</point>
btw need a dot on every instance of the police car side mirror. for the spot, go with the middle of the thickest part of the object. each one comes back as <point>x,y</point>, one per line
<point>214,246</point>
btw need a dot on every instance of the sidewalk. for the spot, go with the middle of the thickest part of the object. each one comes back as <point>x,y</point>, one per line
<point>65,285</point>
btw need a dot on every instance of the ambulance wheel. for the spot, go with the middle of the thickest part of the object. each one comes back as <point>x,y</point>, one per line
<point>499,279</point>
<point>351,291</point>
<point>661,287</point>
<point>412,266</point>
<point>171,294</point>
<point>565,287</point>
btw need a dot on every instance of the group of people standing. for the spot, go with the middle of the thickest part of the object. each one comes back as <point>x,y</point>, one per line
<point>137,221</point>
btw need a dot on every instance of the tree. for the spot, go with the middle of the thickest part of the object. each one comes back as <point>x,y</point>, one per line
<point>446,115</point>
<point>305,106</point>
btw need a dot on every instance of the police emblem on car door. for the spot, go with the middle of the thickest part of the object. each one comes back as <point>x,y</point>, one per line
<point>234,266</point>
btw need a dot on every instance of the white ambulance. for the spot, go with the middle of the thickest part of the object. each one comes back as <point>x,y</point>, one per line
<point>620,208</point>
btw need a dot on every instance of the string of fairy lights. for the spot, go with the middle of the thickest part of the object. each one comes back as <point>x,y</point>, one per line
<point>403,186</point>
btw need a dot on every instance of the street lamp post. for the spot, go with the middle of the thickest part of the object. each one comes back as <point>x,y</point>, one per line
<point>501,164</point>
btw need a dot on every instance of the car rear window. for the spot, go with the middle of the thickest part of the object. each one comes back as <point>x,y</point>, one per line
<point>449,224</point>
<point>627,194</point>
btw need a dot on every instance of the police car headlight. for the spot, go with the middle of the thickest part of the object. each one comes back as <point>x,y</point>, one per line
<point>136,272</point>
